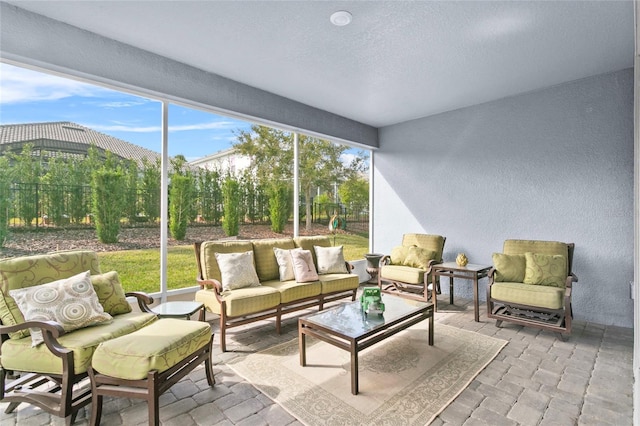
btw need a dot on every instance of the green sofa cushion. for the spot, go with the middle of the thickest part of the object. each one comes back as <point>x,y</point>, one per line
<point>332,283</point>
<point>307,243</point>
<point>529,295</point>
<point>210,268</point>
<point>158,346</point>
<point>405,274</point>
<point>399,255</point>
<point>18,355</point>
<point>509,267</point>
<point>242,301</point>
<point>291,290</point>
<point>110,293</point>
<point>27,271</point>
<point>419,257</point>
<point>265,258</point>
<point>535,246</point>
<point>545,269</point>
<point>427,241</point>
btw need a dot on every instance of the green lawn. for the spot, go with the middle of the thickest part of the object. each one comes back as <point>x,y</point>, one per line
<point>139,270</point>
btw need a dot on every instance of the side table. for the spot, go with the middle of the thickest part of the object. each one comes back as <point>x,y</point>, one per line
<point>469,272</point>
<point>179,309</point>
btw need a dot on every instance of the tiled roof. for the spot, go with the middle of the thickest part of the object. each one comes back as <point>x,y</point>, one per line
<point>65,131</point>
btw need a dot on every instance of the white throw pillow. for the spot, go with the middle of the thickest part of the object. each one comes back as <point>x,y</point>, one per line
<point>330,260</point>
<point>285,268</point>
<point>303,268</point>
<point>237,270</point>
<point>71,302</point>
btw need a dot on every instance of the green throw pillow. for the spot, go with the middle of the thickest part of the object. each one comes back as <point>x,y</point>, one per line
<point>110,293</point>
<point>399,254</point>
<point>419,257</point>
<point>545,269</point>
<point>509,267</point>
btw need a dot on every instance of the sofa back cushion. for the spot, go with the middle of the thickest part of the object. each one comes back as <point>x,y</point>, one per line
<point>539,247</point>
<point>210,268</point>
<point>426,241</point>
<point>265,257</point>
<point>307,243</point>
<point>28,271</point>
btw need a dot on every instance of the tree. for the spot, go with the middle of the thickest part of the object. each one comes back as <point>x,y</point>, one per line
<point>54,196</point>
<point>27,168</point>
<point>180,195</point>
<point>271,153</point>
<point>279,205</point>
<point>131,191</point>
<point>231,201</point>
<point>151,176</point>
<point>5,204</point>
<point>108,187</point>
<point>354,191</point>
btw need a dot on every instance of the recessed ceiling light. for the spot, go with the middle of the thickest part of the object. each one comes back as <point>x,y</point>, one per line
<point>341,18</point>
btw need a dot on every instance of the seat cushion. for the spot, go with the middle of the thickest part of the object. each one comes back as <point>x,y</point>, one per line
<point>158,346</point>
<point>17,354</point>
<point>527,294</point>
<point>240,302</point>
<point>332,283</point>
<point>405,274</point>
<point>291,290</point>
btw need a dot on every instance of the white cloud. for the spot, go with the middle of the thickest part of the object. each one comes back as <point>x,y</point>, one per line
<point>23,85</point>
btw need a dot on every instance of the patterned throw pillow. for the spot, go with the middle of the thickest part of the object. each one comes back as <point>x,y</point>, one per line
<point>509,267</point>
<point>72,303</point>
<point>545,269</point>
<point>399,254</point>
<point>285,268</point>
<point>330,260</point>
<point>237,270</point>
<point>110,293</point>
<point>303,267</point>
<point>419,257</point>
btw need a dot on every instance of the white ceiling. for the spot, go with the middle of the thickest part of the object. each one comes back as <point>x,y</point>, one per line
<point>397,60</point>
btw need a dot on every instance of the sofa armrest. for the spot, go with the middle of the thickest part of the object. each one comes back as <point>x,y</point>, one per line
<point>51,330</point>
<point>214,284</point>
<point>143,299</point>
<point>349,266</point>
<point>386,260</point>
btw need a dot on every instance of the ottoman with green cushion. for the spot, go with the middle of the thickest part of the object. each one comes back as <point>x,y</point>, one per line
<point>145,363</point>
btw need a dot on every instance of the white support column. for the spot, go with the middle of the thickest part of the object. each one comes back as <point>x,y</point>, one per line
<point>296,188</point>
<point>636,220</point>
<point>371,183</point>
<point>164,202</point>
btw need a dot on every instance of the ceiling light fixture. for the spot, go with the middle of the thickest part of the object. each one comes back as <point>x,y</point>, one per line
<point>341,18</point>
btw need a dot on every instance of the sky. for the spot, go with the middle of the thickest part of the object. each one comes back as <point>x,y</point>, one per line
<point>28,96</point>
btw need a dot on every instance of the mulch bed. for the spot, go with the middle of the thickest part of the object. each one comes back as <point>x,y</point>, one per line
<point>44,240</point>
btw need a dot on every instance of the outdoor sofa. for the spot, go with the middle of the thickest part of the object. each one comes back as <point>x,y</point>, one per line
<point>271,289</point>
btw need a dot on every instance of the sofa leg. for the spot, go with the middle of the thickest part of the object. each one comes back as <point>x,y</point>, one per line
<point>498,323</point>
<point>278,321</point>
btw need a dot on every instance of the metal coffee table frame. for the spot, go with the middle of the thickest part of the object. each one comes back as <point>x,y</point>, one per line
<point>355,332</point>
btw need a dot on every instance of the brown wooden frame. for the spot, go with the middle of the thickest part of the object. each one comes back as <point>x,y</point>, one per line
<point>53,393</point>
<point>555,320</point>
<point>150,388</point>
<point>227,321</point>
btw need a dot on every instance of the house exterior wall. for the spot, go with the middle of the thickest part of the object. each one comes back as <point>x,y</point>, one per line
<point>555,164</point>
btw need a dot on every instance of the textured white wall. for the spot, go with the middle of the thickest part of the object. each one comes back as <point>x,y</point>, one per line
<point>555,164</point>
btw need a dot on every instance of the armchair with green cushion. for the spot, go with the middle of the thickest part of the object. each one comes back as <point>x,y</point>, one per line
<point>406,271</point>
<point>530,284</point>
<point>70,308</point>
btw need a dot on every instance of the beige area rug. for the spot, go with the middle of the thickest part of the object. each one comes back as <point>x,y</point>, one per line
<point>403,380</point>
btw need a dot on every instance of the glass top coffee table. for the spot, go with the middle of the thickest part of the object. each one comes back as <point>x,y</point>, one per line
<point>347,327</point>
